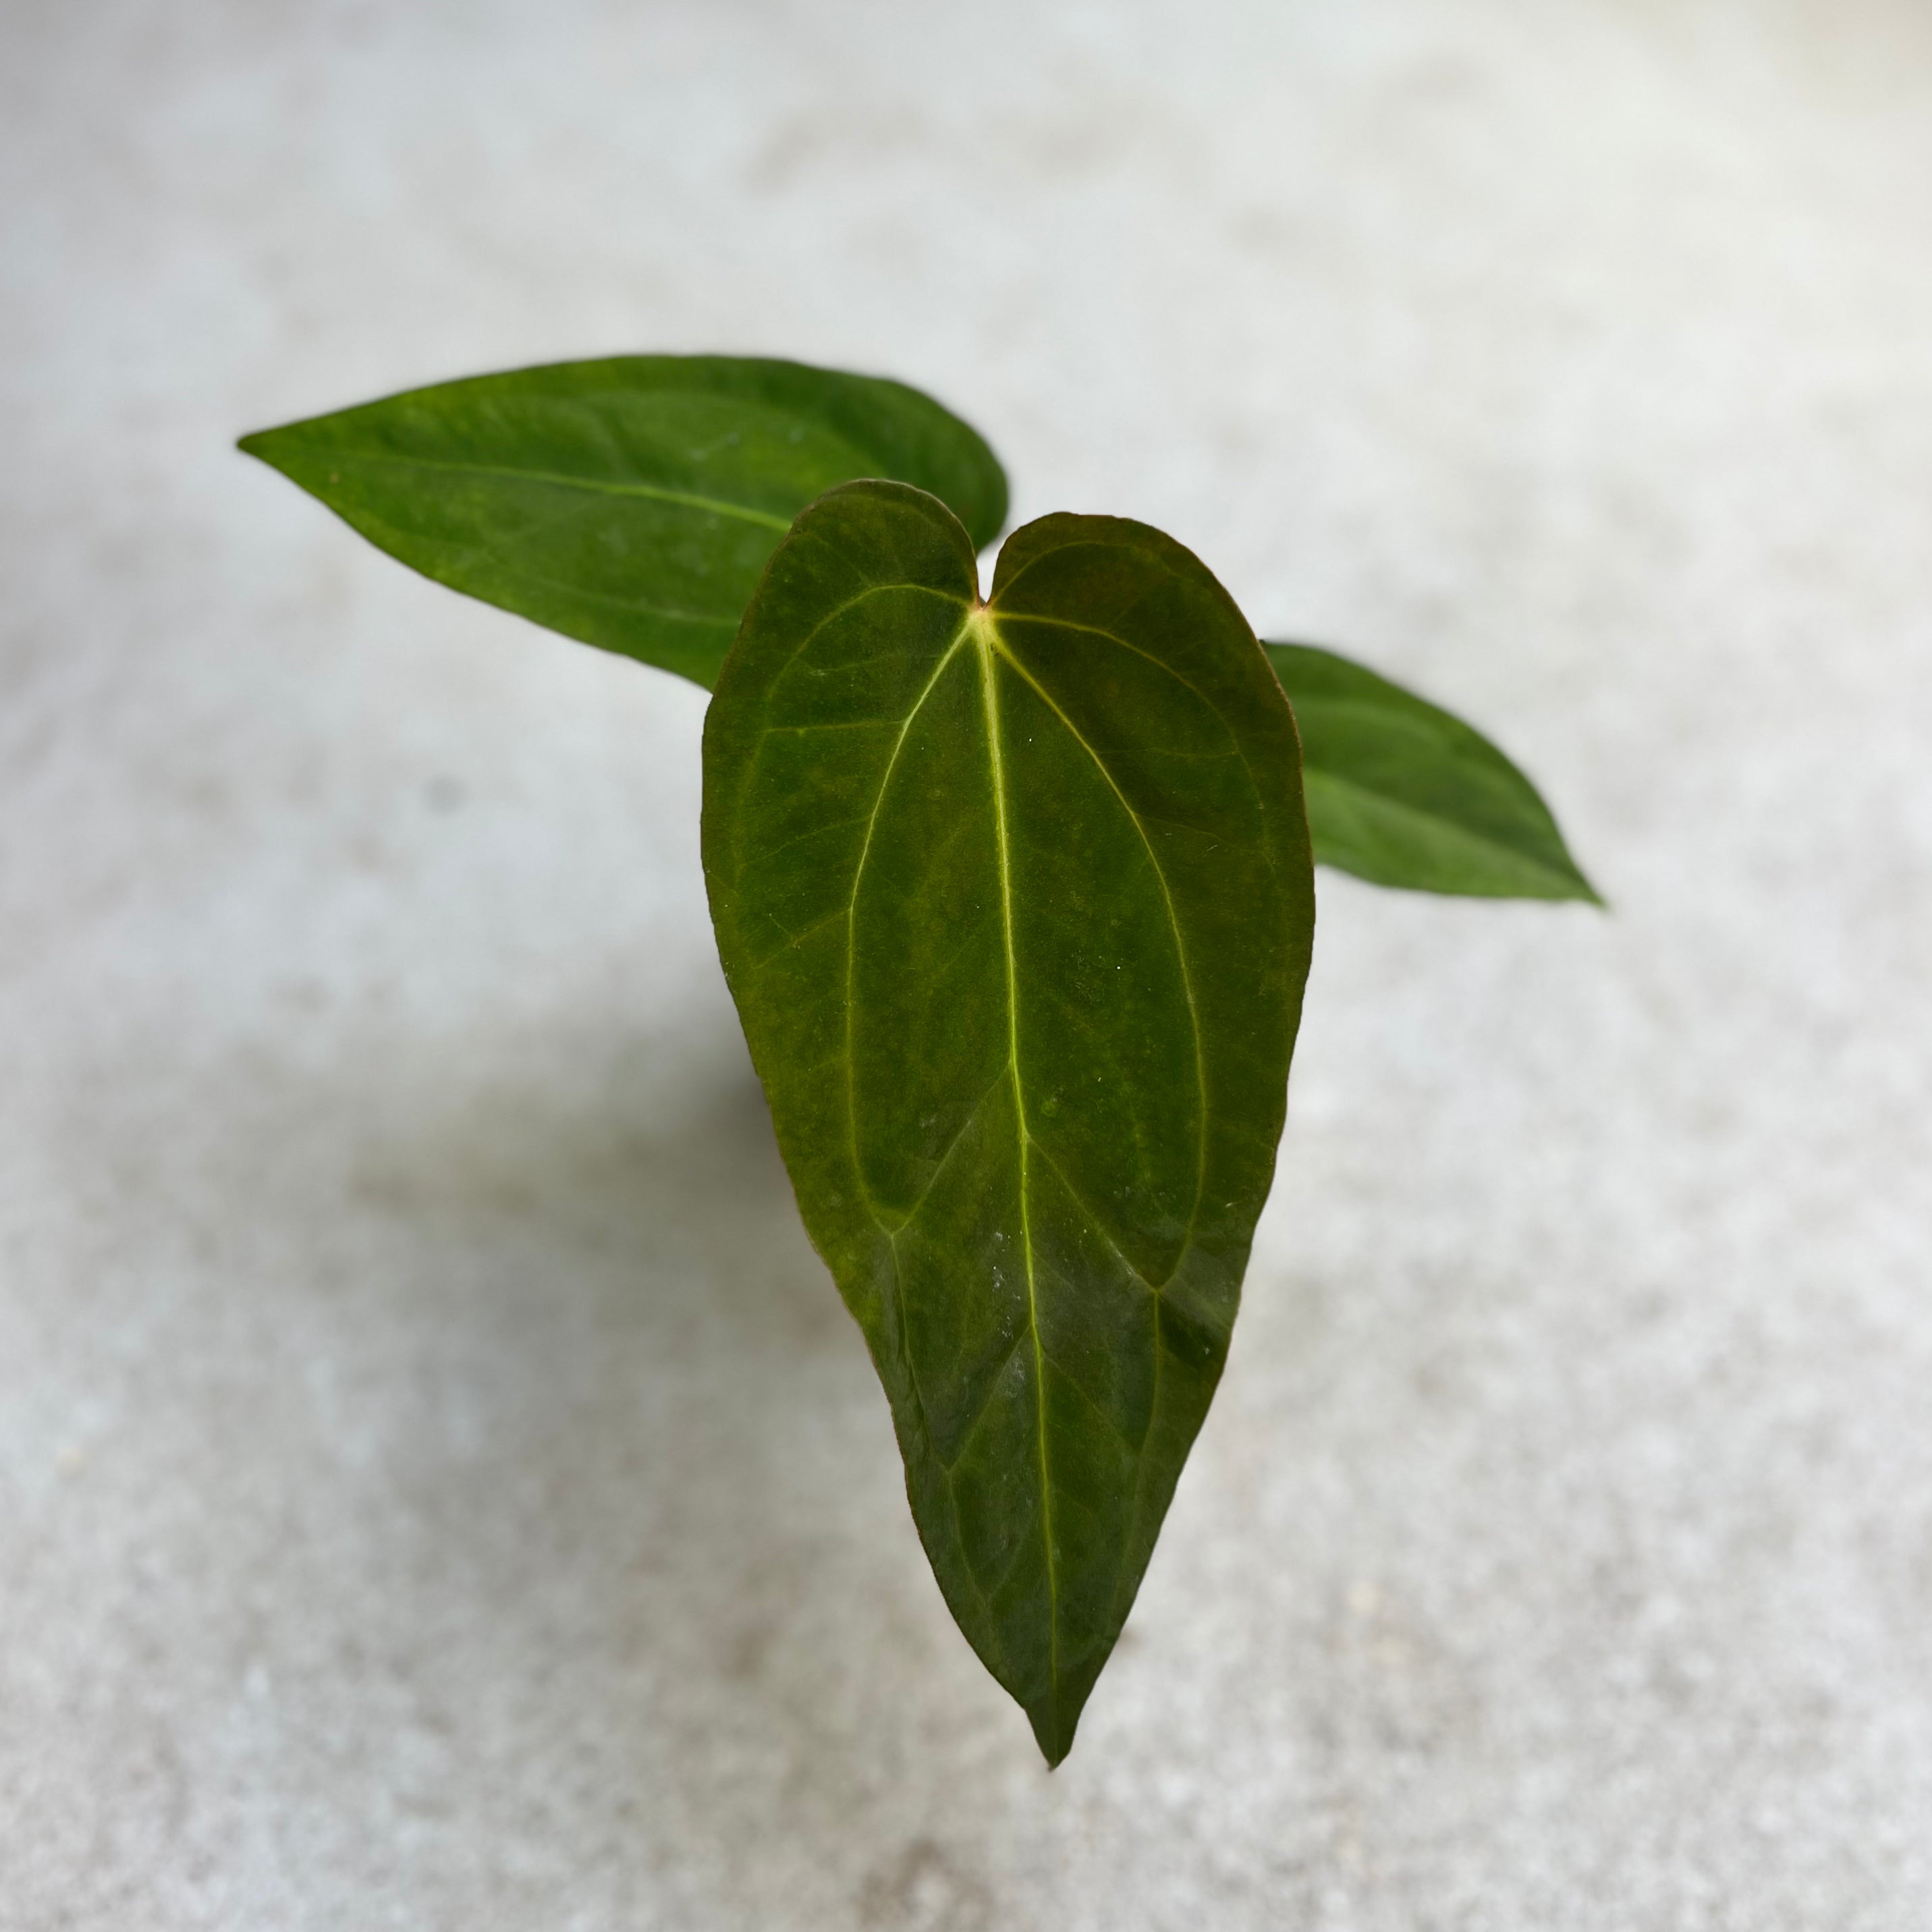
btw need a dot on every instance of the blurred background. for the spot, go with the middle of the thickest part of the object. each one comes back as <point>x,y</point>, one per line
<point>438,1486</point>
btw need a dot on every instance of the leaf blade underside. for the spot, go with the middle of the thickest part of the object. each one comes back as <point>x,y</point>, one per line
<point>1016,901</point>
<point>1403,793</point>
<point>629,503</point>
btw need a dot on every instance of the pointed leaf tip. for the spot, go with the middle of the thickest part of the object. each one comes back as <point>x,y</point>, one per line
<point>1402,793</point>
<point>631,502</point>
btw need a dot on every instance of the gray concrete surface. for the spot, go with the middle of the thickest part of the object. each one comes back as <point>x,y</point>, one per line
<point>438,1486</point>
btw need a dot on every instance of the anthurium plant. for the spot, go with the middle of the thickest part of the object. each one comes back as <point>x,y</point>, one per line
<point>1013,884</point>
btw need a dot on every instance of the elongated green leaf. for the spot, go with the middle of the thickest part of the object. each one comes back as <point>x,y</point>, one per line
<point>1402,793</point>
<point>631,503</point>
<point>1016,903</point>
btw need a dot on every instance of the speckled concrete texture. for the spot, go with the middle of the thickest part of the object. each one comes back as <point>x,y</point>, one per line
<point>438,1487</point>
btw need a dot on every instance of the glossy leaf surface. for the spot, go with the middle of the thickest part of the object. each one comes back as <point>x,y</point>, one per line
<point>632,502</point>
<point>1016,903</point>
<point>1402,793</point>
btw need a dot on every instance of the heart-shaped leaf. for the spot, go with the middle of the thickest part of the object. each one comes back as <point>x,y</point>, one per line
<point>1015,900</point>
<point>1402,793</point>
<point>632,502</point>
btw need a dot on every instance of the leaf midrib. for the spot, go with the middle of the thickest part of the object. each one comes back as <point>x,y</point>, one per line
<point>982,635</point>
<point>977,626</point>
<point>563,479</point>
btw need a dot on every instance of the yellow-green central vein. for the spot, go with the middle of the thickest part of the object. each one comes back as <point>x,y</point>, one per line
<point>556,479</point>
<point>982,626</point>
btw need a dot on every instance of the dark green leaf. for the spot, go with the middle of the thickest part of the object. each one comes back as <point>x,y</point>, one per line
<point>631,503</point>
<point>1016,903</point>
<point>1402,793</point>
